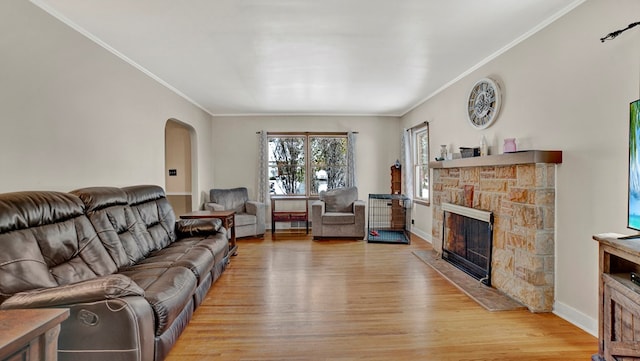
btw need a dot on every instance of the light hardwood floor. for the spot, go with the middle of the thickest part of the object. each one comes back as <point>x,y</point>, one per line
<point>291,298</point>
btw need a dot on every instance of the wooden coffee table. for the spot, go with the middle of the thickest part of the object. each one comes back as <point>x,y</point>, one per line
<point>228,219</point>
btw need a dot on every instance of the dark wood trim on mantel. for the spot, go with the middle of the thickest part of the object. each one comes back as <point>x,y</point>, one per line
<point>521,157</point>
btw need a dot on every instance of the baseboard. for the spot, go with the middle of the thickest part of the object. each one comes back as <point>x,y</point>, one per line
<point>576,317</point>
<point>426,237</point>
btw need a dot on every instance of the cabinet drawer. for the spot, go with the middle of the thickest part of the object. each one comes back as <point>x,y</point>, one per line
<point>288,216</point>
<point>298,217</point>
<point>281,217</point>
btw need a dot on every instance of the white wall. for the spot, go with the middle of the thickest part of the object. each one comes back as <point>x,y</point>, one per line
<point>75,115</point>
<point>565,90</point>
<point>236,147</point>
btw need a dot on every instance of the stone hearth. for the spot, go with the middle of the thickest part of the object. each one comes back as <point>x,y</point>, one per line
<point>522,199</point>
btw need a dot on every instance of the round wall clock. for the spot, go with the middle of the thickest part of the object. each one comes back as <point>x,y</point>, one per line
<point>484,103</point>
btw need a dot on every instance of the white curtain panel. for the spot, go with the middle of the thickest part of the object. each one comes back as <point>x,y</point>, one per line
<point>263,167</point>
<point>407,167</point>
<point>352,179</point>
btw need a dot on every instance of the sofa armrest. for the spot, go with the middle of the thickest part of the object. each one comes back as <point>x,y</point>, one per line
<point>214,206</point>
<point>197,227</point>
<point>96,289</point>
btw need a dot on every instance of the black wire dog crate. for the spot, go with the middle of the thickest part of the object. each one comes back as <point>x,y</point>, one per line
<point>389,218</point>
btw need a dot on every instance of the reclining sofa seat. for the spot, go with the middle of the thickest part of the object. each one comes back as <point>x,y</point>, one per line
<point>52,256</point>
<point>152,209</point>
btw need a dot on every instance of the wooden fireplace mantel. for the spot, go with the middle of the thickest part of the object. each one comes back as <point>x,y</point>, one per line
<point>521,157</point>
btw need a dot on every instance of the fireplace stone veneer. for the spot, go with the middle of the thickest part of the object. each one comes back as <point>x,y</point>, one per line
<point>522,199</point>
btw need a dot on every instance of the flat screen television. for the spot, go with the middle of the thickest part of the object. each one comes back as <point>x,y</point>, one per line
<point>633,210</point>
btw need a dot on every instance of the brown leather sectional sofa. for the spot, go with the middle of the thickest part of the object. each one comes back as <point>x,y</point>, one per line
<point>130,274</point>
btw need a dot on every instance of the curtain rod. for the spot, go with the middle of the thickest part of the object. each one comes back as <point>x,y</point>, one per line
<point>318,133</point>
<point>418,125</point>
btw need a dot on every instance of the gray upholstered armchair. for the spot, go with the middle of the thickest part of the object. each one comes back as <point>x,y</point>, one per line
<point>250,215</point>
<point>338,214</point>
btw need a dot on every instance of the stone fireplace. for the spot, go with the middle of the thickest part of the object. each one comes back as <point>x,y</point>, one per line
<point>519,189</point>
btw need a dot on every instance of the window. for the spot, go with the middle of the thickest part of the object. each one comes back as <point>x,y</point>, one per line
<point>307,163</point>
<point>420,145</point>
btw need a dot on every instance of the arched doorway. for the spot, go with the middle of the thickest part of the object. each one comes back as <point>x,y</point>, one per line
<point>180,166</point>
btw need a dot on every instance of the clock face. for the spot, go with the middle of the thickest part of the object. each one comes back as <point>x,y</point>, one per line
<point>484,103</point>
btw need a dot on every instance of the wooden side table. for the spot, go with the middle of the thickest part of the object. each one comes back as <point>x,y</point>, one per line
<point>301,215</point>
<point>228,219</point>
<point>30,334</point>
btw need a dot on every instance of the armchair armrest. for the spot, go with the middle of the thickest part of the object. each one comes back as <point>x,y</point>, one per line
<point>358,210</point>
<point>197,227</point>
<point>96,289</point>
<point>255,207</point>
<point>259,210</point>
<point>214,206</point>
<point>317,210</point>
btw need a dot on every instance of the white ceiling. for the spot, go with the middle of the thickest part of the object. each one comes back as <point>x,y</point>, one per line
<point>353,57</point>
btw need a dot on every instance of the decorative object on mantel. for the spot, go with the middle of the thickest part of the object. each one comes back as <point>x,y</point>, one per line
<point>614,34</point>
<point>483,104</point>
<point>470,152</point>
<point>483,147</point>
<point>443,153</point>
<point>509,145</point>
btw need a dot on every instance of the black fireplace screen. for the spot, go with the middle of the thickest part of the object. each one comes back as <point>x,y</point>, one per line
<point>467,245</point>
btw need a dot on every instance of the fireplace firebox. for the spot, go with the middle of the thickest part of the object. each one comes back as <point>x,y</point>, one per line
<point>468,238</point>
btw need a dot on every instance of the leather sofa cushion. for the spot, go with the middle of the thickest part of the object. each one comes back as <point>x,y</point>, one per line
<point>22,265</point>
<point>47,241</point>
<point>96,198</point>
<point>338,218</point>
<point>217,244</point>
<point>168,291</point>
<point>339,199</point>
<point>197,259</point>
<point>22,210</point>
<point>196,227</point>
<point>73,251</point>
<point>153,210</point>
<point>123,235</point>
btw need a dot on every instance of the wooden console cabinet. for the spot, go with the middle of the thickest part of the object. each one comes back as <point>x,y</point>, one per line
<point>286,214</point>
<point>30,334</point>
<point>619,299</point>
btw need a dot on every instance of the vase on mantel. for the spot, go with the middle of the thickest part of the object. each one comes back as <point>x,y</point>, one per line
<point>509,145</point>
<point>443,152</point>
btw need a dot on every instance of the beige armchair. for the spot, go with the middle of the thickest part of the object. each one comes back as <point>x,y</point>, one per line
<point>250,215</point>
<point>338,214</point>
